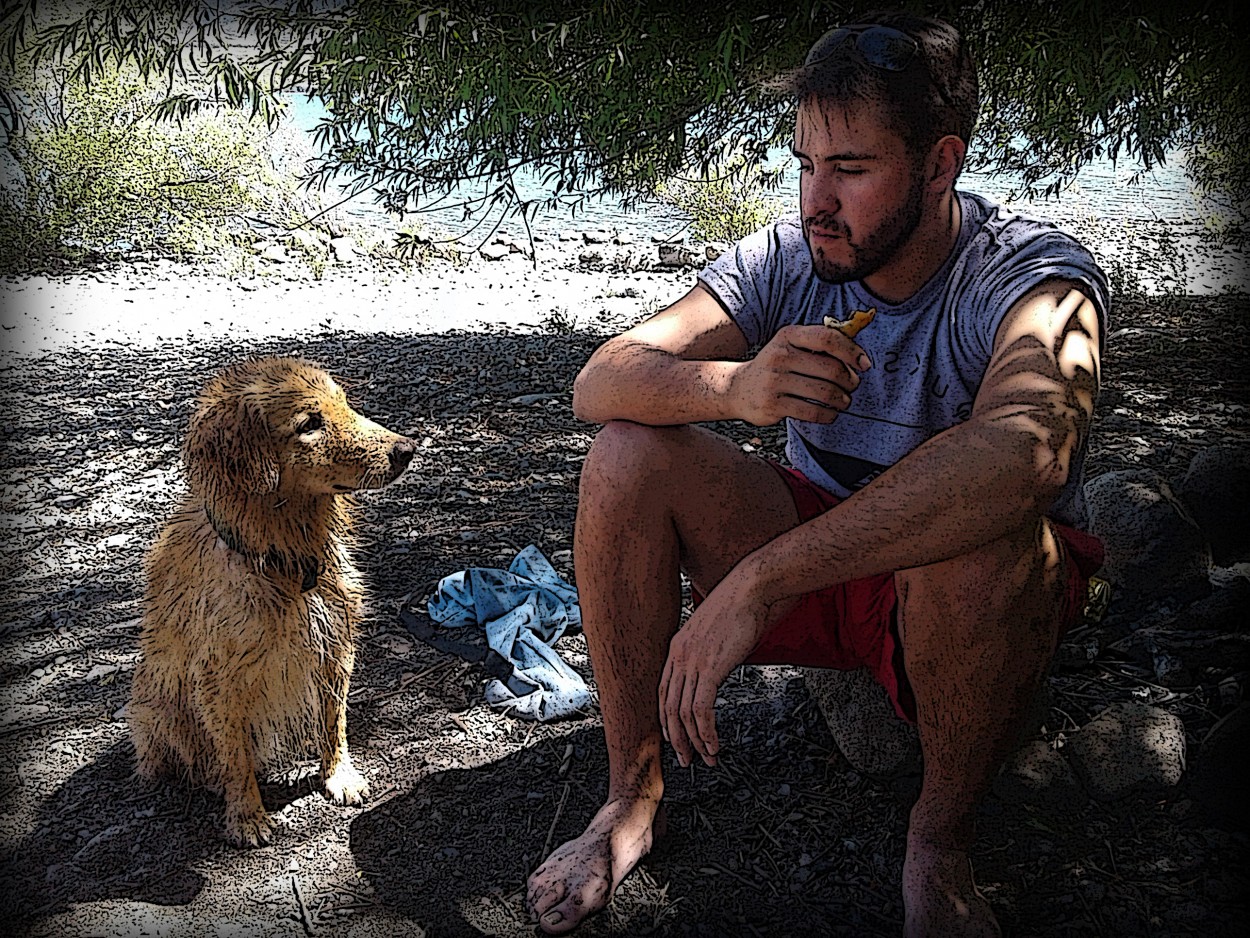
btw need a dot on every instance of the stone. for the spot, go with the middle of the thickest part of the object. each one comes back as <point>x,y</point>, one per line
<point>1216,490</point>
<point>1039,775</point>
<point>1154,549</point>
<point>311,241</point>
<point>511,243</point>
<point>274,253</point>
<point>676,255</point>
<point>867,731</point>
<point>1130,747</point>
<point>494,252</point>
<point>344,250</point>
<point>625,261</point>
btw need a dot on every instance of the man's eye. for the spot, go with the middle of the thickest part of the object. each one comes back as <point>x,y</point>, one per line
<point>310,424</point>
<point>851,172</point>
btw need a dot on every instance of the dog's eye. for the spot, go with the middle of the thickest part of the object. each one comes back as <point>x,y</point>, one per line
<point>310,424</point>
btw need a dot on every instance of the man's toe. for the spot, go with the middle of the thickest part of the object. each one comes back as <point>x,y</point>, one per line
<point>553,922</point>
<point>562,917</point>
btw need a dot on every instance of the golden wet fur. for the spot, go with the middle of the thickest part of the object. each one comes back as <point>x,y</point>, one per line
<point>252,599</point>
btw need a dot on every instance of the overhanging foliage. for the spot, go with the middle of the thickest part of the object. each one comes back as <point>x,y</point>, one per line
<point>616,97</point>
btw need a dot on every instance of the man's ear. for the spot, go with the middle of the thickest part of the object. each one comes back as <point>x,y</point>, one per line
<point>946,161</point>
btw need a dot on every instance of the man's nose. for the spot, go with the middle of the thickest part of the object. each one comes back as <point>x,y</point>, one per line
<point>819,197</point>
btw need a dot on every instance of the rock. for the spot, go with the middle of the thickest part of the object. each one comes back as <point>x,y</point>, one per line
<point>864,725</point>
<point>596,237</point>
<point>344,250</point>
<point>494,252</point>
<point>1216,490</point>
<point>676,255</point>
<point>513,246</point>
<point>625,261</point>
<point>1130,747</point>
<point>1219,783</point>
<point>310,240</point>
<point>1038,774</point>
<point>274,253</point>
<point>1154,548</point>
<point>567,234</point>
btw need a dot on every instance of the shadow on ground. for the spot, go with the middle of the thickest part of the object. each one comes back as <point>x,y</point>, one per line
<point>746,852</point>
<point>105,835</point>
<point>89,845</point>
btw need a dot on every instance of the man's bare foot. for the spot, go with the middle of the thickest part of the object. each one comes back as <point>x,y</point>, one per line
<point>940,898</point>
<point>579,877</point>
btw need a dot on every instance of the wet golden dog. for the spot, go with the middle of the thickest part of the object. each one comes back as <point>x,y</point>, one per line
<point>252,598</point>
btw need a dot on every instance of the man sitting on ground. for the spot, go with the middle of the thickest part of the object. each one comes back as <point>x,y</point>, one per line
<point>930,527</point>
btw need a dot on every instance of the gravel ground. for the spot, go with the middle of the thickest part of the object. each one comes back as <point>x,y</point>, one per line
<point>99,372</point>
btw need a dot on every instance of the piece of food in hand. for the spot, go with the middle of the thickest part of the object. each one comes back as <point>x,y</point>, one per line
<point>853,326</point>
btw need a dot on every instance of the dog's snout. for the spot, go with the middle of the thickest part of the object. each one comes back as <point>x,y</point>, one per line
<point>401,455</point>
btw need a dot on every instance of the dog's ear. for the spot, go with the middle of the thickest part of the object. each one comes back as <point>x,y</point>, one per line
<point>229,445</point>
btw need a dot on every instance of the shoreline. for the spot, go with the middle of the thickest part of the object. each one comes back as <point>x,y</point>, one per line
<point>148,308</point>
<point>592,280</point>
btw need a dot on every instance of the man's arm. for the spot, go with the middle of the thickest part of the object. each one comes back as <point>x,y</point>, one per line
<point>670,369</point>
<point>967,486</point>
<point>684,365</point>
<point>972,483</point>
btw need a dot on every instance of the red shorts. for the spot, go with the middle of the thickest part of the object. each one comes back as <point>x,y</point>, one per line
<point>855,624</point>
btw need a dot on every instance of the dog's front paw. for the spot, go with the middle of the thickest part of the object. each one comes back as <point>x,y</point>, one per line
<point>346,786</point>
<point>248,827</point>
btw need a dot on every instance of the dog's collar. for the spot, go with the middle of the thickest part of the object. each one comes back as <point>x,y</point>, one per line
<point>309,568</point>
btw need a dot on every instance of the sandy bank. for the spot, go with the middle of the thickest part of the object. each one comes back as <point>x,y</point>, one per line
<point>150,304</point>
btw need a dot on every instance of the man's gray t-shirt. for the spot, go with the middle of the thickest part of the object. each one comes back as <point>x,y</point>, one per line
<point>929,353</point>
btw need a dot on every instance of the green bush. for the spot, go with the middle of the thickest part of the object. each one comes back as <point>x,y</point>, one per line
<point>727,207</point>
<point>99,174</point>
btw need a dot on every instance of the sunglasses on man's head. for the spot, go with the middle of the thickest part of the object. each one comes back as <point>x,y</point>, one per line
<point>881,46</point>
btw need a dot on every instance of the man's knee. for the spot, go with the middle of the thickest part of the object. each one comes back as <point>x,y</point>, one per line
<point>626,456</point>
<point>1020,575</point>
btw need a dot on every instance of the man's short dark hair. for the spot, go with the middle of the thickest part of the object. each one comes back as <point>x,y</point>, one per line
<point>934,95</point>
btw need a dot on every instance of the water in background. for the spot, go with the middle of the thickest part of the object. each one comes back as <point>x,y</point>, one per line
<point>1154,226</point>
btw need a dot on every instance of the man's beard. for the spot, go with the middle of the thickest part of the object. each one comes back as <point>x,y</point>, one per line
<point>877,247</point>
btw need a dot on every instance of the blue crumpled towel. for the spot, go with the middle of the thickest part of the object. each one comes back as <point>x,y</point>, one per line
<point>523,610</point>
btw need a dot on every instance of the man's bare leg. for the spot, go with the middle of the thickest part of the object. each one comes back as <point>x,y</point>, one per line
<point>978,632</point>
<point>652,500</point>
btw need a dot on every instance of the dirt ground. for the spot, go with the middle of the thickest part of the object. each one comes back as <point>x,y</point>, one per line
<point>783,838</point>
